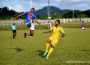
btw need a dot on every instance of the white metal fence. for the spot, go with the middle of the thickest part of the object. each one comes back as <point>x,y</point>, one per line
<point>20,21</point>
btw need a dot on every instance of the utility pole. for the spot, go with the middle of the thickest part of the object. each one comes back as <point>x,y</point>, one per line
<point>73,15</point>
<point>48,9</point>
<point>30,4</point>
<point>49,14</point>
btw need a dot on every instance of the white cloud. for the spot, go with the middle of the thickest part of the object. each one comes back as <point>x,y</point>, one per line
<point>24,5</point>
<point>74,0</point>
<point>18,8</point>
<point>9,7</point>
<point>56,0</point>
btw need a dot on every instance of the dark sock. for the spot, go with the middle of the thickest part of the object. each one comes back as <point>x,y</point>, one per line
<point>24,35</point>
<point>13,36</point>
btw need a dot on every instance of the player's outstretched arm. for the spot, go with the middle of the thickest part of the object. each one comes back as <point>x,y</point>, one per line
<point>62,32</point>
<point>37,21</point>
<point>63,35</point>
<point>18,16</point>
<point>47,31</point>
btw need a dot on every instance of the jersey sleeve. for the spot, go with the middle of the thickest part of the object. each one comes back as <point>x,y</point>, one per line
<point>61,30</point>
<point>24,13</point>
<point>34,16</point>
<point>12,27</point>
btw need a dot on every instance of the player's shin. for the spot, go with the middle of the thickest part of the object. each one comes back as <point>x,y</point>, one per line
<point>47,48</point>
<point>50,51</point>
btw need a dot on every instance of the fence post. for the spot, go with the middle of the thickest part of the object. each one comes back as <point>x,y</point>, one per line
<point>1,25</point>
<point>5,26</point>
<point>9,25</point>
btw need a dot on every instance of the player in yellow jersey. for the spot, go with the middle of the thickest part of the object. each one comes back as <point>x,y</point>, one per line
<point>57,33</point>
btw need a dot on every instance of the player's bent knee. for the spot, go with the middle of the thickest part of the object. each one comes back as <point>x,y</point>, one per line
<point>49,41</point>
<point>52,46</point>
<point>31,34</point>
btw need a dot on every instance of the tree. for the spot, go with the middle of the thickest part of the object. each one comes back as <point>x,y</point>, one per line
<point>68,14</point>
<point>56,15</point>
<point>7,14</point>
<point>82,16</point>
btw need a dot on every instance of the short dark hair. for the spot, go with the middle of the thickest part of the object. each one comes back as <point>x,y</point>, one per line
<point>33,9</point>
<point>13,23</point>
<point>58,21</point>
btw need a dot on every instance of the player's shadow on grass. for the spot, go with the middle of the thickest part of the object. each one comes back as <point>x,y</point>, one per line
<point>86,50</point>
<point>18,49</point>
<point>40,53</point>
<point>11,37</point>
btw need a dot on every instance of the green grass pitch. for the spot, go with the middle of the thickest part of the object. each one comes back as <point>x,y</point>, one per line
<point>75,46</point>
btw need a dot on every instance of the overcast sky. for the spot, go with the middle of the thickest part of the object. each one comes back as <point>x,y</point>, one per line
<point>24,5</point>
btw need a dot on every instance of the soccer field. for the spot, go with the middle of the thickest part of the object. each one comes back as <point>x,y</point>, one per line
<point>73,49</point>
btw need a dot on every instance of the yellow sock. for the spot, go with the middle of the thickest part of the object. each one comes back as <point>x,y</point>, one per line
<point>50,51</point>
<point>47,47</point>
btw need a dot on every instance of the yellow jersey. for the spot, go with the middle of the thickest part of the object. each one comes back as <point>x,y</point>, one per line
<point>56,31</point>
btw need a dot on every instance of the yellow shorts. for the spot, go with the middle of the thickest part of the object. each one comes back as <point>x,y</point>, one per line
<point>53,41</point>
